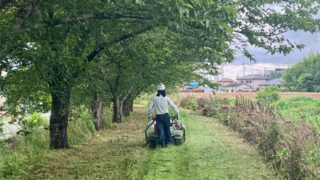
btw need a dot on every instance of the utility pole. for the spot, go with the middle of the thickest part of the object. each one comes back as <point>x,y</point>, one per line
<point>244,70</point>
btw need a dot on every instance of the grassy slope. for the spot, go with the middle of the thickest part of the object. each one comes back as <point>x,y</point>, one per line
<point>211,152</point>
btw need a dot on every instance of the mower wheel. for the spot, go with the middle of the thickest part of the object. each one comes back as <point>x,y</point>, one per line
<point>152,143</point>
<point>180,141</point>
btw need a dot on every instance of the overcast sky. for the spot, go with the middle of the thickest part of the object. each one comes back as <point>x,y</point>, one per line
<point>311,42</point>
<point>312,45</point>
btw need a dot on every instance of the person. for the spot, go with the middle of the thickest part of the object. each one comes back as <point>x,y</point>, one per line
<point>160,105</point>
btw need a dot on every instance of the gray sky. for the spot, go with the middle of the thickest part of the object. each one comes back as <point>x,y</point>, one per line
<point>312,45</point>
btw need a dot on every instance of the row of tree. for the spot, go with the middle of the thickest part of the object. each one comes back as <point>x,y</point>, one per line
<point>304,76</point>
<point>61,53</point>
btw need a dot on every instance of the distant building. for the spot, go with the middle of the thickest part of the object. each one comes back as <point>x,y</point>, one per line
<point>225,81</point>
<point>279,70</point>
<point>193,87</point>
<point>274,82</point>
<point>253,80</point>
<point>234,87</point>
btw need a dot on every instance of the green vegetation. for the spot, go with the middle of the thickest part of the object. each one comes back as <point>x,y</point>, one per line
<point>22,154</point>
<point>274,75</point>
<point>304,76</point>
<point>292,146</point>
<point>59,54</point>
<point>268,95</point>
<point>212,151</point>
<point>301,109</point>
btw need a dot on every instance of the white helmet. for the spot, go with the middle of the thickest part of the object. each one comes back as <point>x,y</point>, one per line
<point>161,87</point>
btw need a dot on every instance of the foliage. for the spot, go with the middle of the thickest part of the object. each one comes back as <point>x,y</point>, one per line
<point>48,46</point>
<point>274,75</point>
<point>291,146</point>
<point>25,153</point>
<point>35,120</point>
<point>304,76</point>
<point>188,103</point>
<point>301,108</point>
<point>31,123</point>
<point>268,95</point>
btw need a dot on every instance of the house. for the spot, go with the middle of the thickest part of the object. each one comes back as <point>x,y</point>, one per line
<point>253,80</point>
<point>274,82</point>
<point>193,87</point>
<point>225,81</point>
<point>208,89</point>
<point>234,87</point>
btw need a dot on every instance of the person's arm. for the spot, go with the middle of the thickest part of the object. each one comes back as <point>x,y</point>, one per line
<point>173,106</point>
<point>150,108</point>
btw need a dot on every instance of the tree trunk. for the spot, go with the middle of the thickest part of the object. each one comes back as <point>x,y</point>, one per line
<point>117,110</point>
<point>97,110</point>
<point>126,107</point>
<point>59,118</point>
<point>131,105</point>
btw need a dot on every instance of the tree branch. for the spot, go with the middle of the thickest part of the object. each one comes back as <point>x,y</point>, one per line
<point>89,17</point>
<point>101,47</point>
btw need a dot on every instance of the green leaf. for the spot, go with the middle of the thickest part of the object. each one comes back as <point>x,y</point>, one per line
<point>189,6</point>
<point>140,2</point>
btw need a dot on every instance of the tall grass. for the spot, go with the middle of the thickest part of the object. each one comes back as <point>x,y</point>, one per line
<point>21,154</point>
<point>292,146</point>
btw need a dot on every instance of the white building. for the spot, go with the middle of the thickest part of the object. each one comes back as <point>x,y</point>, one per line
<point>253,80</point>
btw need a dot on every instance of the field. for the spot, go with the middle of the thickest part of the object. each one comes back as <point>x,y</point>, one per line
<point>247,95</point>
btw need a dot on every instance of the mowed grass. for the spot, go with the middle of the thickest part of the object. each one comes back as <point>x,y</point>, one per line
<point>113,154</point>
<point>212,151</point>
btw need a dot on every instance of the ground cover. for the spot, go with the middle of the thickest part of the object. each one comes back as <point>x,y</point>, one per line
<point>301,109</point>
<point>212,151</point>
<point>292,146</point>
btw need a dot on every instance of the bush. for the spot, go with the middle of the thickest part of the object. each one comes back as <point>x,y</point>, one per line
<point>81,128</point>
<point>268,95</point>
<point>32,148</point>
<point>35,120</point>
<point>189,103</point>
<point>201,103</point>
<point>293,148</point>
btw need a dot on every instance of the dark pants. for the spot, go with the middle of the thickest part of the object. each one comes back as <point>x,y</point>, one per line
<point>163,128</point>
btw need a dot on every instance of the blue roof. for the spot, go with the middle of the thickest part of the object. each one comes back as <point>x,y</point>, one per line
<point>194,83</point>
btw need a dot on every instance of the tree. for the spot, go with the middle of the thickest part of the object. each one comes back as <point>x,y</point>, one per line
<point>53,41</point>
<point>304,76</point>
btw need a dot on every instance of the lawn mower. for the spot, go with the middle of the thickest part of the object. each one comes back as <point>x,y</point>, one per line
<point>177,130</point>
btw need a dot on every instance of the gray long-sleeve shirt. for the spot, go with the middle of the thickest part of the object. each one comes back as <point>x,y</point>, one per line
<point>160,105</point>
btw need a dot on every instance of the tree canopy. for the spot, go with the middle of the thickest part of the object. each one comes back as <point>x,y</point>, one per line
<point>304,76</point>
<point>120,48</point>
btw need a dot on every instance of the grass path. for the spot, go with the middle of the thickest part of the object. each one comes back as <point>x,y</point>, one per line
<point>212,151</point>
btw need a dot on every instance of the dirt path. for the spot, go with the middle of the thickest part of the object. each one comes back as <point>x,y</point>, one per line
<point>211,152</point>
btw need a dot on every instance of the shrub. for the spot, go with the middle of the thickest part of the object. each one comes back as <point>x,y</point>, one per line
<point>17,161</point>
<point>201,103</point>
<point>293,148</point>
<point>189,103</point>
<point>268,95</point>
